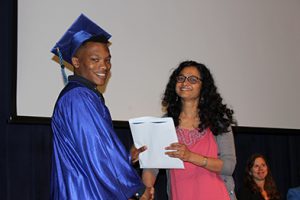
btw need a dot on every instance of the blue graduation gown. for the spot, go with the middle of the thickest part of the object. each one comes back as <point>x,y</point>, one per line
<point>89,161</point>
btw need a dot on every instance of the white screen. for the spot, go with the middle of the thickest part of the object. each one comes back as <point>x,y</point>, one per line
<point>251,47</point>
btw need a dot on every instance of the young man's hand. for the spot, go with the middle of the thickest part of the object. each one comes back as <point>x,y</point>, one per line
<point>148,194</point>
<point>135,153</point>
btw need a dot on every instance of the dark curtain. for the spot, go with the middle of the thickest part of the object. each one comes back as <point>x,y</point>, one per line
<point>26,157</point>
<point>25,148</point>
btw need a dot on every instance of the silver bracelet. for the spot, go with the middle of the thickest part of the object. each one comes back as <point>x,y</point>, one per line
<point>204,163</point>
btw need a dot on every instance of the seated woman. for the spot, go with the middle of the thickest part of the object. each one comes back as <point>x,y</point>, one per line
<point>258,181</point>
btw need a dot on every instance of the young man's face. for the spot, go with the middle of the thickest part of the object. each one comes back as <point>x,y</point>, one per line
<point>92,61</point>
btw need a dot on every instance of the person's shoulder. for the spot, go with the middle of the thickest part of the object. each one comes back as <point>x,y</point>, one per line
<point>75,94</point>
<point>226,136</point>
<point>245,194</point>
<point>245,190</point>
<point>74,90</point>
<point>293,193</point>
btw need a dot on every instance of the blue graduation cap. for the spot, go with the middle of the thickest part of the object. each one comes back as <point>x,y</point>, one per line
<point>80,31</point>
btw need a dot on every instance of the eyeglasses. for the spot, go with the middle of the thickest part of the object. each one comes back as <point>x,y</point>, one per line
<point>191,79</point>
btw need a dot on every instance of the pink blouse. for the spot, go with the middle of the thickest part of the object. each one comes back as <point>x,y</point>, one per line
<point>195,182</point>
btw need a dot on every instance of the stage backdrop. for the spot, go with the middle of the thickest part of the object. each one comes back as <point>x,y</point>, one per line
<point>251,47</point>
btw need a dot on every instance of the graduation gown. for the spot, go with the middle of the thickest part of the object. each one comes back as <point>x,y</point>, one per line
<point>89,161</point>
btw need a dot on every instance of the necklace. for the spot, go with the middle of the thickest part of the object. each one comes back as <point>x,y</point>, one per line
<point>189,122</point>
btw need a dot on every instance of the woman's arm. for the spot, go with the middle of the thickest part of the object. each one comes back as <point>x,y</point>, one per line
<point>226,152</point>
<point>149,177</point>
<point>182,152</point>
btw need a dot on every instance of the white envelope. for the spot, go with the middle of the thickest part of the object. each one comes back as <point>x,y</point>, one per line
<point>156,134</point>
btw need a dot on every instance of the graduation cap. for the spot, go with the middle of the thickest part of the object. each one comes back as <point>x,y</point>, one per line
<point>80,31</point>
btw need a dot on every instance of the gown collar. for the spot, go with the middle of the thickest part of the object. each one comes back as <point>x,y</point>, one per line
<point>86,83</point>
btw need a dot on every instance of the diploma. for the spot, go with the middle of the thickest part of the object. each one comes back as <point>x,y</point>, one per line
<point>156,134</point>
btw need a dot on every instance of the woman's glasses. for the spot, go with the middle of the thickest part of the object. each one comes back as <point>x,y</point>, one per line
<point>191,79</point>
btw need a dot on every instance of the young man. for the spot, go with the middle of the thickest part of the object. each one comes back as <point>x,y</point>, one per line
<point>89,161</point>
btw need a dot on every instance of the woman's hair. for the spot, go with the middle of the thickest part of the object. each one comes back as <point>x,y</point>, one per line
<point>212,112</point>
<point>270,186</point>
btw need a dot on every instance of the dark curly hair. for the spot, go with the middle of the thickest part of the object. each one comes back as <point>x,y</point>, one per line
<point>270,186</point>
<point>212,112</point>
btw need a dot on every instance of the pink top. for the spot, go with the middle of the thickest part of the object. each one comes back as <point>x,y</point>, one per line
<point>195,182</point>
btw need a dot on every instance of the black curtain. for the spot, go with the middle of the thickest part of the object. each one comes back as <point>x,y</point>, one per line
<point>26,158</point>
<point>25,148</point>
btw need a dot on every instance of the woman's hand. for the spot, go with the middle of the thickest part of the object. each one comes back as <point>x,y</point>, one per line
<point>180,151</point>
<point>134,152</point>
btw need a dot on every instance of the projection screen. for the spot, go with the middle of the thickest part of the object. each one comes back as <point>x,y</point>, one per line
<point>251,47</point>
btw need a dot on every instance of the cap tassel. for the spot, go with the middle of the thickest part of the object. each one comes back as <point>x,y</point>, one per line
<point>62,67</point>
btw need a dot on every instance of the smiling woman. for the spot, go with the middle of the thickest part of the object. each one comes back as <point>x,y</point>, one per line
<point>205,141</point>
<point>258,181</point>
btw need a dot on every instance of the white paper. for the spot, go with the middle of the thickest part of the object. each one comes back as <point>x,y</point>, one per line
<point>156,134</point>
